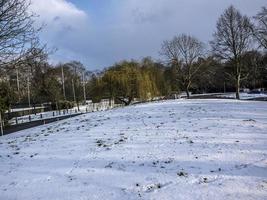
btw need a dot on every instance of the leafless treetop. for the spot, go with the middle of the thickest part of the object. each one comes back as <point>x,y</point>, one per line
<point>17,31</point>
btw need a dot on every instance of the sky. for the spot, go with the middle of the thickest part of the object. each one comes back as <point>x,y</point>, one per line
<point>101,32</point>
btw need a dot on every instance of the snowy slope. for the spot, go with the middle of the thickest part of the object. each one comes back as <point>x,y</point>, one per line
<point>184,149</point>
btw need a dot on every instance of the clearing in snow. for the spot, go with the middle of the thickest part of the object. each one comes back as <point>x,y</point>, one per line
<point>180,149</point>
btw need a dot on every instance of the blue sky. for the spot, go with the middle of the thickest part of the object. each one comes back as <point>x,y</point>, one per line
<point>101,32</point>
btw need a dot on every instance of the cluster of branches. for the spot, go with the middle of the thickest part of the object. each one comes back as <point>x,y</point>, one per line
<point>27,77</point>
<point>233,40</point>
<point>37,82</point>
<point>70,83</point>
<point>17,31</point>
<point>18,40</point>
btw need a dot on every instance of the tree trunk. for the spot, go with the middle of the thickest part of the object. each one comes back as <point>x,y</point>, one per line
<point>187,93</point>
<point>187,89</point>
<point>18,84</point>
<point>77,102</point>
<point>129,101</point>
<point>126,102</point>
<point>111,100</point>
<point>57,106</point>
<point>237,86</point>
<point>1,125</point>
<point>238,76</point>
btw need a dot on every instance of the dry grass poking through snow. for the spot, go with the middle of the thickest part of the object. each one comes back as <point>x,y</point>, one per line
<point>186,149</point>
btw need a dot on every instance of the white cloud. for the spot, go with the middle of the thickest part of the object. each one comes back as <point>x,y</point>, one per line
<point>64,26</point>
<point>52,11</point>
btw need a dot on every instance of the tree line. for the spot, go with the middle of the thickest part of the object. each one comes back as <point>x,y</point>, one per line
<point>235,58</point>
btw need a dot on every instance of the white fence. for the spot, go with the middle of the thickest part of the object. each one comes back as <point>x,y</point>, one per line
<point>90,107</point>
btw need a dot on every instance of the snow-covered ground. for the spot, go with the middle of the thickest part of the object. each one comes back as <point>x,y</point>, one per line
<point>243,95</point>
<point>180,149</point>
<point>54,114</point>
<point>24,109</point>
<point>42,115</point>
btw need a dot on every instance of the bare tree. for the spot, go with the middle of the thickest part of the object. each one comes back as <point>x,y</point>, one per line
<point>232,40</point>
<point>16,29</point>
<point>260,30</point>
<point>184,52</point>
<point>78,69</point>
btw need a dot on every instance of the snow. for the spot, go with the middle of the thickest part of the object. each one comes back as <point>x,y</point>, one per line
<point>243,95</point>
<point>179,149</point>
<point>92,107</point>
<point>23,109</point>
<point>41,115</point>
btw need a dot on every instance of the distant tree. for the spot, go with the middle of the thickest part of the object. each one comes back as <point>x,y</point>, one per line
<point>260,29</point>
<point>36,64</point>
<point>183,51</point>
<point>210,78</point>
<point>65,74</point>
<point>155,71</point>
<point>171,79</point>
<point>7,96</point>
<point>110,83</point>
<point>121,81</point>
<point>232,40</point>
<point>95,88</point>
<point>264,70</point>
<point>128,80</point>
<point>75,80</point>
<point>254,66</point>
<point>52,87</point>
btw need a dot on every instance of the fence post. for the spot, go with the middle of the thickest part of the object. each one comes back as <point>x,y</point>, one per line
<point>16,120</point>
<point>29,118</point>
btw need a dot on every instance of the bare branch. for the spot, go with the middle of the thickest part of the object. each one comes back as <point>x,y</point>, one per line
<point>16,29</point>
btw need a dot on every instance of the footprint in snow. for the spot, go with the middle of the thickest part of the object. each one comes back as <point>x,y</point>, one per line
<point>249,120</point>
<point>151,187</point>
<point>71,178</point>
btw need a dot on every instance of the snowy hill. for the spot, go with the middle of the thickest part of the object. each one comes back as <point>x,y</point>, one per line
<point>184,149</point>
